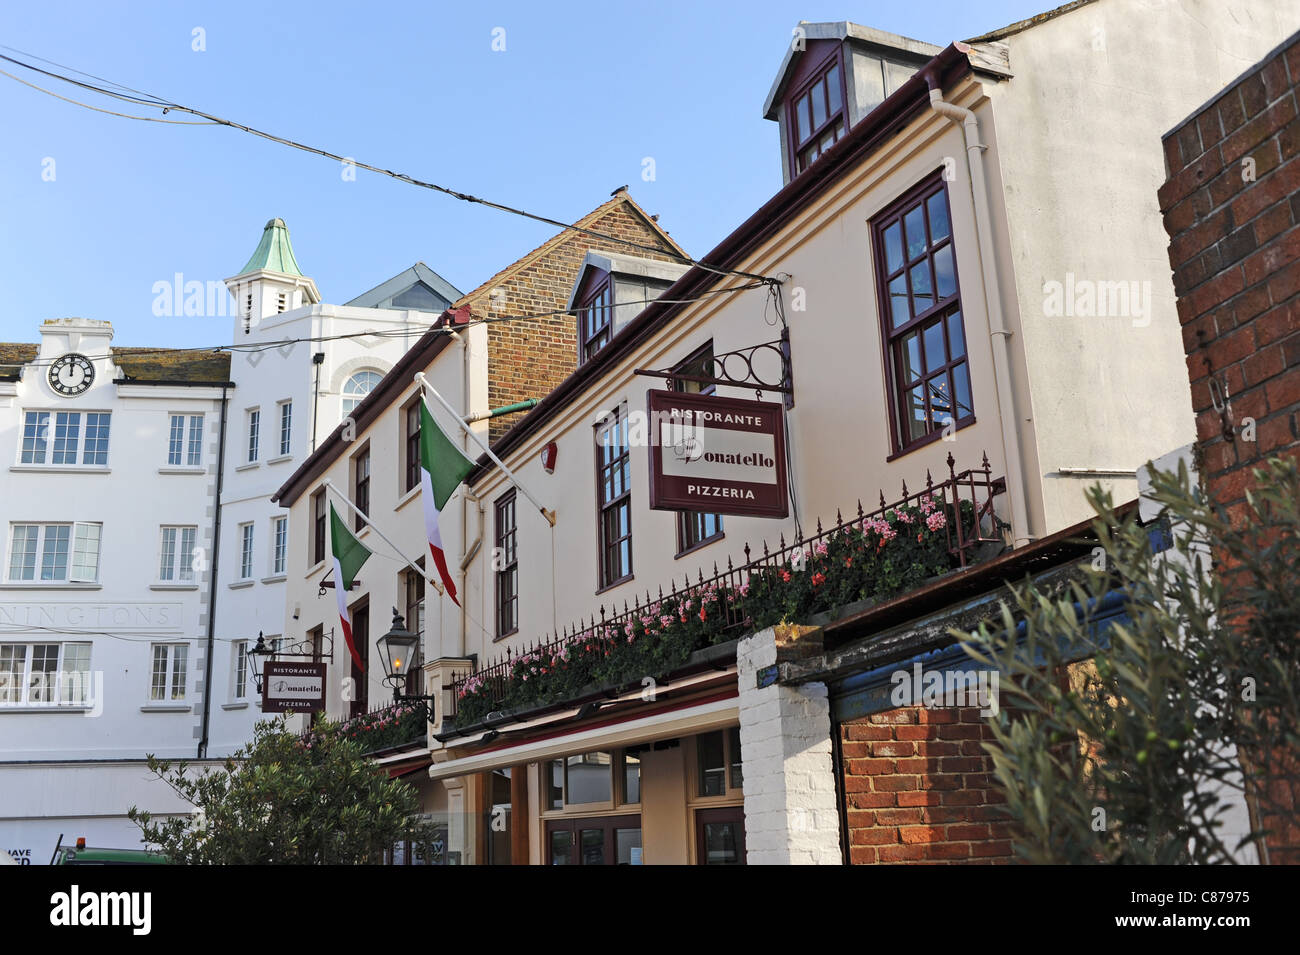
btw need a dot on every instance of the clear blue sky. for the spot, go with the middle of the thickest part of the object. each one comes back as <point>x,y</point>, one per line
<point>581,94</point>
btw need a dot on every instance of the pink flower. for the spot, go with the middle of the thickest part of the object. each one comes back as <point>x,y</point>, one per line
<point>936,521</point>
<point>821,548</point>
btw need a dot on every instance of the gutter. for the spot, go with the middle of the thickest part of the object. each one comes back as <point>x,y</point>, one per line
<point>999,334</point>
<point>178,383</point>
<point>212,580</point>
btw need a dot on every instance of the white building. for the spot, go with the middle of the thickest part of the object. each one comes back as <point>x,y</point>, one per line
<point>127,596</point>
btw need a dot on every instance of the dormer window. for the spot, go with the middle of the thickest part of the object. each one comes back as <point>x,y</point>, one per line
<point>596,318</point>
<point>817,114</point>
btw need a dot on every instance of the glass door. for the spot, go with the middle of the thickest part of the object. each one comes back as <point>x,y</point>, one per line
<point>720,836</point>
<point>599,840</point>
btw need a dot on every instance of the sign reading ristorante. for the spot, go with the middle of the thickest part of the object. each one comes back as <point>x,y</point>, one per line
<point>721,455</point>
<point>293,687</point>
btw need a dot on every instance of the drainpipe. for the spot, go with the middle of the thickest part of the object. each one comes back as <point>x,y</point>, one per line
<point>317,359</point>
<point>999,334</point>
<point>212,581</point>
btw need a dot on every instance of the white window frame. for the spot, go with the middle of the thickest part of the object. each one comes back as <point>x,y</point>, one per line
<point>62,693</point>
<point>178,567</point>
<point>253,430</point>
<point>246,537</point>
<point>357,397</point>
<point>279,546</point>
<point>285,418</point>
<point>189,450</point>
<point>80,535</point>
<point>241,672</point>
<point>47,434</point>
<point>175,664</point>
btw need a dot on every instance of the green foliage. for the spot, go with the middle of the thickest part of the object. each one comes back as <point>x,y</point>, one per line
<point>1126,744</point>
<point>283,800</point>
<point>874,558</point>
<point>392,726</point>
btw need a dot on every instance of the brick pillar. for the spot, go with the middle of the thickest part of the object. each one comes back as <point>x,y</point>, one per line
<point>785,742</point>
<point>1231,207</point>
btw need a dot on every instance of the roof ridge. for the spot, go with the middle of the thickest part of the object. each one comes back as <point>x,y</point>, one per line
<point>619,198</point>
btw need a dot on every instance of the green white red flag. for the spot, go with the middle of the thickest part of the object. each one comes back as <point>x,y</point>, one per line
<point>349,554</point>
<point>442,469</point>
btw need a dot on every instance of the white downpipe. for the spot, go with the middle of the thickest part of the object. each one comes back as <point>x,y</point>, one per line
<point>999,334</point>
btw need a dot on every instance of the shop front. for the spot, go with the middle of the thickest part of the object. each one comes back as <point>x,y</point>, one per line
<point>629,782</point>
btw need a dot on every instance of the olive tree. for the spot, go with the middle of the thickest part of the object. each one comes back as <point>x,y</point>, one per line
<point>1131,742</point>
<point>283,800</point>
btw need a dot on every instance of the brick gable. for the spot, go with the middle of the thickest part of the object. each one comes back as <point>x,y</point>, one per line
<point>529,357</point>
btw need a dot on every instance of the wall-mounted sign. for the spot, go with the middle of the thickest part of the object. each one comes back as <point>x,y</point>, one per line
<point>293,687</point>
<point>721,455</point>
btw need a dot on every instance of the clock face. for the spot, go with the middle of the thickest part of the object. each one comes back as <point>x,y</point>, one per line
<point>71,374</point>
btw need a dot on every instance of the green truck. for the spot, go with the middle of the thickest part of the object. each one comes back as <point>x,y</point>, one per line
<point>80,854</point>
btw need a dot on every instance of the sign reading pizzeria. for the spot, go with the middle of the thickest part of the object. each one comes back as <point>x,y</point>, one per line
<point>293,687</point>
<point>714,454</point>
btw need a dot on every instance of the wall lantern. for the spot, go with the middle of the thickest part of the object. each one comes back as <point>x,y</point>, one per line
<point>399,649</point>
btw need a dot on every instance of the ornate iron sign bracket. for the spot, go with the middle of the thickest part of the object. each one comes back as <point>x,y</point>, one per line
<point>735,369</point>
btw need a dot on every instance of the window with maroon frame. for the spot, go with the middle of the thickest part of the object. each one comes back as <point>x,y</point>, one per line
<point>506,562</point>
<point>596,318</point>
<point>695,528</point>
<point>817,115</point>
<point>412,434</point>
<point>318,527</point>
<point>920,314</point>
<point>361,486</point>
<point>614,497</point>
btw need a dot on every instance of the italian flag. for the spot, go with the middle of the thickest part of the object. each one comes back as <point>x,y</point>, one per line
<point>442,468</point>
<point>349,554</point>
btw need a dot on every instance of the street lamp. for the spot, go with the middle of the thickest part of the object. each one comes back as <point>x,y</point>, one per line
<point>257,656</point>
<point>399,648</point>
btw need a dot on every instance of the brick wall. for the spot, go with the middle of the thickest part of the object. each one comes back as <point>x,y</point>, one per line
<point>918,787</point>
<point>1231,207</point>
<point>1232,210</point>
<point>528,358</point>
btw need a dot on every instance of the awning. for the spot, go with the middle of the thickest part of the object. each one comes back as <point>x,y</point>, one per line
<point>715,713</point>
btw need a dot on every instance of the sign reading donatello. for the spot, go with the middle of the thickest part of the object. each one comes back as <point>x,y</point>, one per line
<point>293,687</point>
<point>720,455</point>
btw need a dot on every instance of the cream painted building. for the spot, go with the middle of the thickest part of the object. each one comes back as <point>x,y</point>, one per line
<point>970,263</point>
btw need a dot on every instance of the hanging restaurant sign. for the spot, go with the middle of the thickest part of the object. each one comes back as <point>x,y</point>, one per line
<point>293,687</point>
<point>718,455</point>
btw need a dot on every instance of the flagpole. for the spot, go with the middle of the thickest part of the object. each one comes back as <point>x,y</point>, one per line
<point>424,383</point>
<point>366,517</point>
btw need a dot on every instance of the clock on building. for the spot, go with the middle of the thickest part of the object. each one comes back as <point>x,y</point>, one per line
<point>71,374</point>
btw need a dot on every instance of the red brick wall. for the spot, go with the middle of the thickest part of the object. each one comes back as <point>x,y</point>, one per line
<point>1235,252</point>
<point>1231,207</point>
<point>918,787</point>
<point>527,358</point>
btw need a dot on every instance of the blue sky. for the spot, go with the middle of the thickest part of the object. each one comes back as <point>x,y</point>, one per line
<point>580,96</point>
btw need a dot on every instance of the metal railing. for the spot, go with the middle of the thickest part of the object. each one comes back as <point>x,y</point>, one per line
<point>966,531</point>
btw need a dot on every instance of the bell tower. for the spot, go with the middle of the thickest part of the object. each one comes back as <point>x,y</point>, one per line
<point>271,282</point>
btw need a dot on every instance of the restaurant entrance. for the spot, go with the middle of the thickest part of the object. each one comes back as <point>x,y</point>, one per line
<point>594,840</point>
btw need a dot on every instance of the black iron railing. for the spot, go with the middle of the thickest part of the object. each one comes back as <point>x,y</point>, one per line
<point>965,498</point>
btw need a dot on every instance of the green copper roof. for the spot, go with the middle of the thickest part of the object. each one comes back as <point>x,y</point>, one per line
<point>274,252</point>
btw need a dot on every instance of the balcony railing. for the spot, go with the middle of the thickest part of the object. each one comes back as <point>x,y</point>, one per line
<point>965,499</point>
